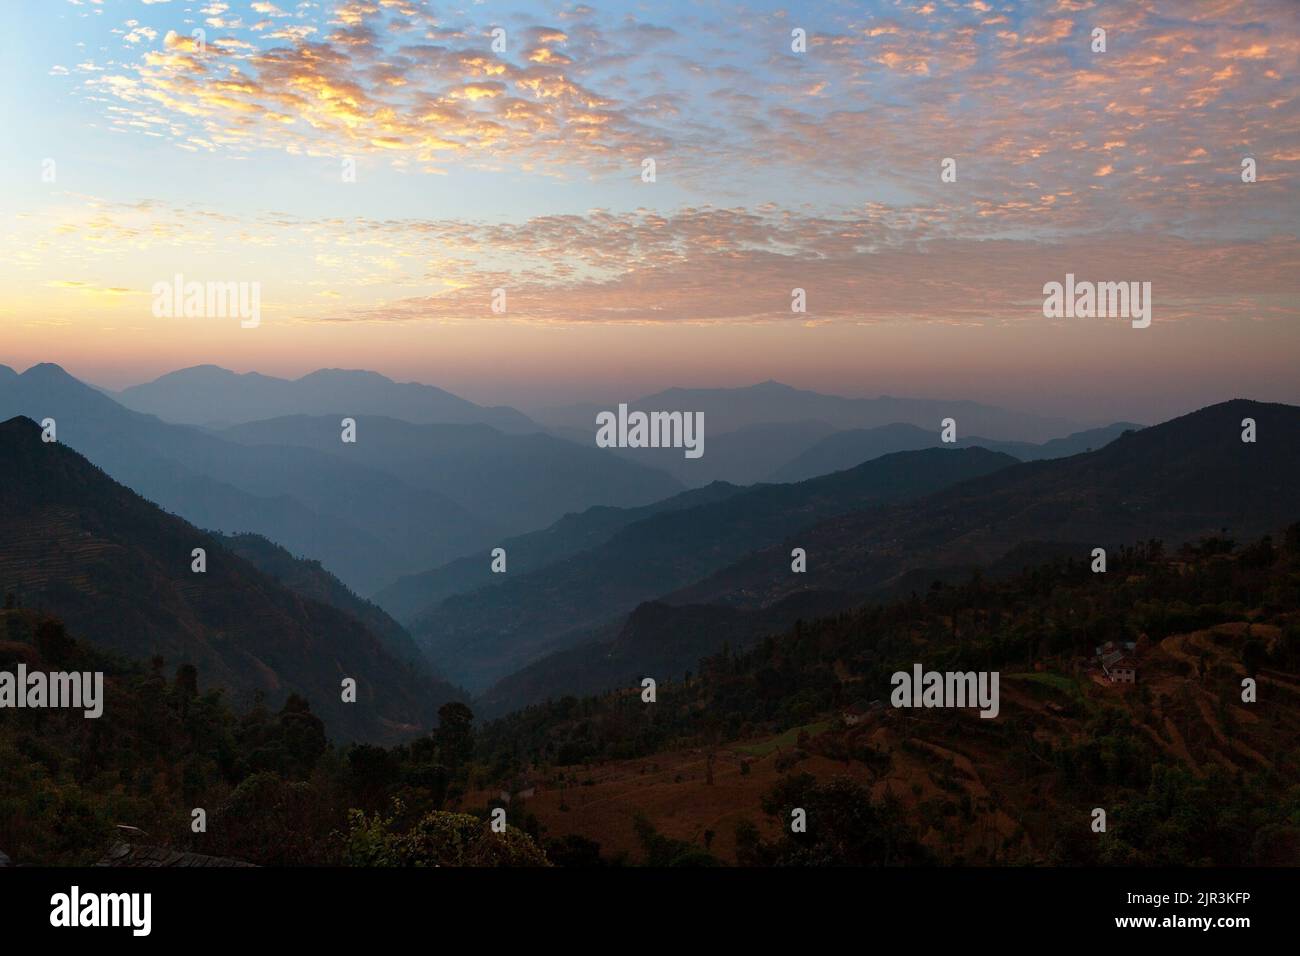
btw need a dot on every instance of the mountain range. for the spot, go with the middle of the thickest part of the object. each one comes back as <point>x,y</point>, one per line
<point>1182,479</point>
<point>727,409</point>
<point>844,449</point>
<point>511,482</point>
<point>208,394</point>
<point>120,572</point>
<point>485,634</point>
<point>1177,481</point>
<point>614,569</point>
<point>413,595</point>
<point>774,432</point>
<point>329,500</point>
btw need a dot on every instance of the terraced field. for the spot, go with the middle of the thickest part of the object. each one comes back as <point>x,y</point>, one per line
<point>976,799</point>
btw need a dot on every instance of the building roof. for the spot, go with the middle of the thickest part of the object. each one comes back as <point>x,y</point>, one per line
<point>126,854</point>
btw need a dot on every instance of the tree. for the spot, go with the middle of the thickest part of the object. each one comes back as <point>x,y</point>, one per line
<point>438,838</point>
<point>455,734</point>
<point>665,851</point>
<point>845,827</point>
<point>304,734</point>
<point>53,642</point>
<point>574,850</point>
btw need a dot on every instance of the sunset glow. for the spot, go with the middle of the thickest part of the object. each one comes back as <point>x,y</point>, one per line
<point>774,170</point>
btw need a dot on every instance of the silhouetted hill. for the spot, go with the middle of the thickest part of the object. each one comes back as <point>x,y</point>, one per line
<point>412,596</point>
<point>207,393</point>
<point>310,579</point>
<point>1176,481</point>
<point>655,640</point>
<point>118,570</point>
<point>847,448</point>
<point>844,449</point>
<point>1191,773</point>
<point>483,635</point>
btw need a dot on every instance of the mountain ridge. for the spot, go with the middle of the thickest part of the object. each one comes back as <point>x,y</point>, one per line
<point>1072,499</point>
<point>843,449</point>
<point>413,594</point>
<point>188,396</point>
<point>1189,477</point>
<point>118,570</point>
<point>726,409</point>
<point>484,633</point>
<point>335,509</point>
<point>476,466</point>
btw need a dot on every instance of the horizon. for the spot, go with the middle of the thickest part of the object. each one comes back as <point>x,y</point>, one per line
<point>114,391</point>
<point>151,152</point>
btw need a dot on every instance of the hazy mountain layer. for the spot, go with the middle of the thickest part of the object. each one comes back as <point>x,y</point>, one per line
<point>1177,481</point>
<point>207,394</point>
<point>485,634</point>
<point>727,409</point>
<point>517,483</point>
<point>845,449</point>
<point>119,571</point>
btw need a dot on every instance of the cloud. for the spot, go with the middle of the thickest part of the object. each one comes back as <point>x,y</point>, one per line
<point>90,288</point>
<point>825,166</point>
<point>1024,106</point>
<point>364,87</point>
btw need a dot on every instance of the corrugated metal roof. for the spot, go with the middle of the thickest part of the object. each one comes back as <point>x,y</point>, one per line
<point>125,854</point>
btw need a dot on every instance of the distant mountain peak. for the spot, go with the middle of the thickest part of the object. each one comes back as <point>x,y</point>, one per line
<point>47,371</point>
<point>205,367</point>
<point>773,387</point>
<point>355,374</point>
<point>199,373</point>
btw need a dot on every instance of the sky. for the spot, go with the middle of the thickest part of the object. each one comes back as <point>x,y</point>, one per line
<point>505,146</point>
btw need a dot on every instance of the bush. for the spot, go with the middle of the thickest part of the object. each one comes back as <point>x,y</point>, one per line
<point>439,838</point>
